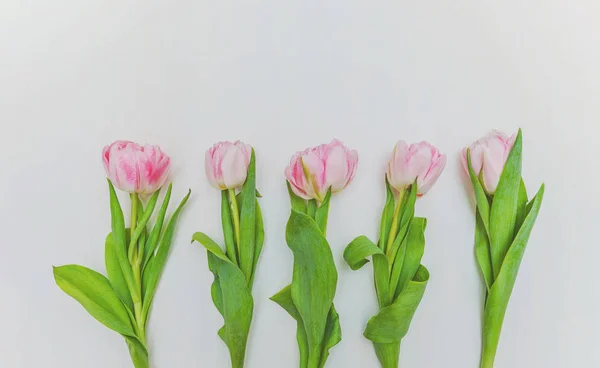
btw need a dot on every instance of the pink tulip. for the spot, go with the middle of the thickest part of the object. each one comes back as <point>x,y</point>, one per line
<point>488,157</point>
<point>227,163</point>
<point>134,168</point>
<point>313,171</point>
<point>419,161</point>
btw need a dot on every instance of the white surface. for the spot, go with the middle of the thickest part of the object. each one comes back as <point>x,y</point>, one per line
<point>284,75</point>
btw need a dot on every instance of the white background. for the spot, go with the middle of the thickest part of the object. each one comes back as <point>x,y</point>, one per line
<point>285,75</point>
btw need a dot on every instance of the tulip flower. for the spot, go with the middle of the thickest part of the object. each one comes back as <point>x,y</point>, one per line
<point>226,164</point>
<point>313,171</point>
<point>134,168</point>
<point>504,219</point>
<point>313,175</point>
<point>488,157</point>
<point>420,162</point>
<point>400,278</point>
<point>135,256</point>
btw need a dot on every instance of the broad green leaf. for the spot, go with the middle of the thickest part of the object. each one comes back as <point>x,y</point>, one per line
<point>93,291</point>
<point>210,246</point>
<point>115,275</point>
<point>141,224</point>
<point>215,290</point>
<point>482,251</point>
<point>415,247</point>
<point>139,354</point>
<point>284,299</point>
<point>260,240</point>
<point>248,222</point>
<point>314,278</point>
<point>298,204</point>
<point>228,232</point>
<point>392,322</point>
<point>333,334</point>
<point>237,307</point>
<point>483,206</point>
<point>499,295</point>
<point>152,241</point>
<point>386,216</point>
<point>155,267</point>
<point>521,207</point>
<point>120,238</point>
<point>322,213</point>
<point>503,214</point>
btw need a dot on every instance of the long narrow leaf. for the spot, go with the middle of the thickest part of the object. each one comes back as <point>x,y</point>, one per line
<point>501,290</point>
<point>415,247</point>
<point>227,223</point>
<point>115,274</point>
<point>248,222</point>
<point>503,214</point>
<point>386,216</point>
<point>482,251</point>
<point>155,268</point>
<point>333,334</point>
<point>141,225</point>
<point>284,299</point>
<point>152,241</point>
<point>260,240</point>
<point>322,213</point>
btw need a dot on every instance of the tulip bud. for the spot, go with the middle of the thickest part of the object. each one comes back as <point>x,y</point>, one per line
<point>226,164</point>
<point>488,157</point>
<point>419,161</point>
<point>312,172</point>
<point>136,169</point>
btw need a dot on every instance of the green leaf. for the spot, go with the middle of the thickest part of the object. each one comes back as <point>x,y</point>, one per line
<point>521,207</point>
<point>483,206</point>
<point>392,322</point>
<point>144,234</point>
<point>482,251</point>
<point>115,275</point>
<point>93,291</point>
<point>386,216</point>
<point>298,204</point>
<point>157,264</point>
<point>232,298</point>
<point>333,334</point>
<point>499,295</point>
<point>227,222</point>
<point>120,238</point>
<point>284,299</point>
<point>322,213</point>
<point>311,208</point>
<point>407,212</point>
<point>260,240</point>
<point>152,241</point>
<point>139,354</point>
<point>359,249</point>
<point>415,247</point>
<point>503,214</point>
<point>248,222</point>
<point>141,224</point>
<point>314,278</point>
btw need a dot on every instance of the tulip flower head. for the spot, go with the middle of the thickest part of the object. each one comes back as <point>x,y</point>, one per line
<point>313,171</point>
<point>488,157</point>
<point>226,164</point>
<point>420,162</point>
<point>134,168</point>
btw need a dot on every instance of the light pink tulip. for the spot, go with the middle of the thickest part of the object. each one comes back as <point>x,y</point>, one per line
<point>134,168</point>
<point>419,161</point>
<point>226,164</point>
<point>488,157</point>
<point>313,171</point>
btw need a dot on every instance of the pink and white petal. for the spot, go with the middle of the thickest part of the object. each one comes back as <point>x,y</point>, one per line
<point>336,169</point>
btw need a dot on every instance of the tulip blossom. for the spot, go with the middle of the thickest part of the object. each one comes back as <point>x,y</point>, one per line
<point>488,157</point>
<point>419,161</point>
<point>313,171</point>
<point>134,168</point>
<point>226,164</point>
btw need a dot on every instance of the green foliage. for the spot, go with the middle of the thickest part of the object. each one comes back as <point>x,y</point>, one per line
<point>122,301</point>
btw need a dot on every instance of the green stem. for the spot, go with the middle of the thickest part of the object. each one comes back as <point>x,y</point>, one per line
<point>487,360</point>
<point>132,252</point>
<point>235,215</point>
<point>395,223</point>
